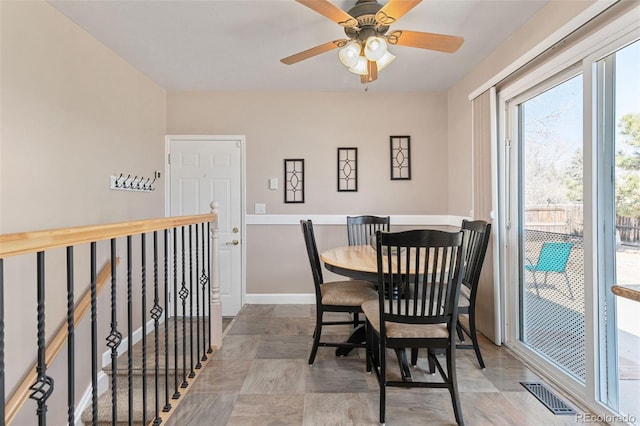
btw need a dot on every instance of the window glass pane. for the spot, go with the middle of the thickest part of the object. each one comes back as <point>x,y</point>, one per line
<point>551,238</point>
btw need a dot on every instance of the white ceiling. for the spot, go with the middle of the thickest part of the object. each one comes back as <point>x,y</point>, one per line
<point>238,44</point>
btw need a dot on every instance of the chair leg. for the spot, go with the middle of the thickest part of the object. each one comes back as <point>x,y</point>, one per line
<point>316,336</point>
<point>453,384</point>
<point>460,333</point>
<point>474,338</point>
<point>568,285</point>
<point>414,357</point>
<point>535,283</point>
<point>432,361</point>
<point>401,354</point>
<point>368,344</point>
<point>356,319</point>
<point>382,381</point>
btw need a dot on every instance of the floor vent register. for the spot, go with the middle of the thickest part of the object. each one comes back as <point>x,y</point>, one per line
<point>548,398</point>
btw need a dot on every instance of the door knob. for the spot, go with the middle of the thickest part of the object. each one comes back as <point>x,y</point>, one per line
<point>233,243</point>
<point>235,230</point>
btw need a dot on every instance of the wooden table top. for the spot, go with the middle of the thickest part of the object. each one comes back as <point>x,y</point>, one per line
<point>354,258</point>
<point>359,262</point>
<point>628,291</point>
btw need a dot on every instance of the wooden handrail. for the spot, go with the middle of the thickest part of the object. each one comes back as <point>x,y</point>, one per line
<point>30,242</point>
<point>56,344</point>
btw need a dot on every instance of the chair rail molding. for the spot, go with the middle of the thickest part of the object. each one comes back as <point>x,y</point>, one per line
<point>341,219</point>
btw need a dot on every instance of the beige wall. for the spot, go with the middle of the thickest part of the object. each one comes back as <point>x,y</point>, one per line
<point>72,114</point>
<point>312,126</point>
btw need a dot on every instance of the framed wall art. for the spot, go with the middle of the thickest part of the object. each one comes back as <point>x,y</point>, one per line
<point>347,169</point>
<point>400,157</point>
<point>294,180</point>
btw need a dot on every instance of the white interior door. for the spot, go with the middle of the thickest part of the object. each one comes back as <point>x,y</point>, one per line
<point>203,169</point>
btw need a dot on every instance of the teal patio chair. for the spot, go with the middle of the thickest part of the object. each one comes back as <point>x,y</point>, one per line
<point>553,258</point>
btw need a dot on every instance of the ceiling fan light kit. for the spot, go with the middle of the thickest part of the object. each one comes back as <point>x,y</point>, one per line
<point>385,60</point>
<point>375,48</point>
<point>360,66</point>
<point>366,24</point>
<point>349,54</point>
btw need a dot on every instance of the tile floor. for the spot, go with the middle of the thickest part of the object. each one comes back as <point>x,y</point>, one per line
<point>260,376</point>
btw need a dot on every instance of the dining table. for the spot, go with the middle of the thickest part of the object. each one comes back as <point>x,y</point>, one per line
<point>359,262</point>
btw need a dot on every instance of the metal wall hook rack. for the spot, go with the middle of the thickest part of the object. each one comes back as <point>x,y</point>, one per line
<point>132,183</point>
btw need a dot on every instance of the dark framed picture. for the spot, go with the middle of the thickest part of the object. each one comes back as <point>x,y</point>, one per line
<point>347,169</point>
<point>294,180</point>
<point>400,157</point>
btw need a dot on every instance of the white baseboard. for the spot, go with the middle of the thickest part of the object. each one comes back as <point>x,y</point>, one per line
<point>280,299</point>
<point>85,401</point>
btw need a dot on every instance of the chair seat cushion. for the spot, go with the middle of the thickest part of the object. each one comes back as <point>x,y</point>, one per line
<point>347,293</point>
<point>400,330</point>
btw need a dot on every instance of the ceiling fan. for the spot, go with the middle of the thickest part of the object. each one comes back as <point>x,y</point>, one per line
<point>367,26</point>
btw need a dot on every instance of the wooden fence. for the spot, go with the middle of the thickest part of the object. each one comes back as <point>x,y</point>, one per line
<point>569,219</point>
<point>628,229</point>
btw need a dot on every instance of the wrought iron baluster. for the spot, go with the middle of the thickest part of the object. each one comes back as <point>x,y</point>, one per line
<point>176,393</point>
<point>198,316</point>
<point>70,340</point>
<point>115,337</point>
<point>2,384</point>
<point>43,386</point>
<point>167,404</point>
<point>192,373</point>
<point>143,273</point>
<point>129,329</point>
<point>94,338</point>
<point>183,295</point>
<point>208,277</point>
<point>156,313</point>
<point>203,284</point>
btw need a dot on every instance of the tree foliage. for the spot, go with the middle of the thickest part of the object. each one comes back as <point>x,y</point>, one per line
<point>628,167</point>
<point>629,159</point>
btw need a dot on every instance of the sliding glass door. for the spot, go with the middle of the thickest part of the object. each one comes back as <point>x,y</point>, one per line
<point>570,214</point>
<point>550,224</point>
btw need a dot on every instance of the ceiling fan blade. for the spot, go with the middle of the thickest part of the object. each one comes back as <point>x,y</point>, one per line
<point>394,10</point>
<point>331,11</point>
<point>431,41</point>
<point>306,54</point>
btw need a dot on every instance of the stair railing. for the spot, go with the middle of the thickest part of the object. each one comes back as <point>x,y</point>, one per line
<point>182,252</point>
<point>19,397</point>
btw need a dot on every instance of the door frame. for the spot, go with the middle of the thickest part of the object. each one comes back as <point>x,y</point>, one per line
<point>241,139</point>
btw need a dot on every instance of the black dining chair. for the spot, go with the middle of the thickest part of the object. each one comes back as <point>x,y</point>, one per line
<point>335,296</point>
<point>476,236</point>
<point>422,262</point>
<point>360,229</point>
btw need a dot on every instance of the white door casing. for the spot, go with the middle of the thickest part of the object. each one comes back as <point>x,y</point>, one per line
<point>203,169</point>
